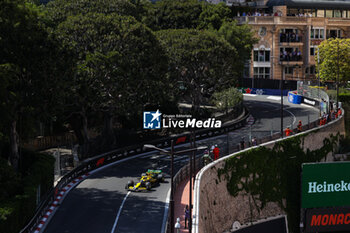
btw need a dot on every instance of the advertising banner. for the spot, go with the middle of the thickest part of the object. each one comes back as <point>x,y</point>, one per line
<point>309,101</point>
<point>328,220</point>
<point>325,184</point>
<point>294,98</point>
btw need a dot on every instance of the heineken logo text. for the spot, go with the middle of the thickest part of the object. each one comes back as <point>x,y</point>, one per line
<point>315,187</point>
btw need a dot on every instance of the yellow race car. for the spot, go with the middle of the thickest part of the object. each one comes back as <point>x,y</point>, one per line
<point>148,180</point>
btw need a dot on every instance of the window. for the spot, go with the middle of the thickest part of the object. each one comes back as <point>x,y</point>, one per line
<point>329,13</point>
<point>310,70</point>
<point>337,13</point>
<point>317,33</point>
<point>288,70</point>
<point>334,33</point>
<point>292,12</point>
<point>320,13</point>
<point>289,35</point>
<point>290,54</point>
<point>314,13</point>
<point>262,72</point>
<point>261,56</point>
<point>312,51</point>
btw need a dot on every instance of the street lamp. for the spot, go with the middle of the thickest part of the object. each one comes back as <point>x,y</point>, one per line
<point>281,86</point>
<point>337,81</point>
<point>172,153</point>
<point>318,65</point>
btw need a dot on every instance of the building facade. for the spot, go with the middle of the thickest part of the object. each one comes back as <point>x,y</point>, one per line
<point>289,32</point>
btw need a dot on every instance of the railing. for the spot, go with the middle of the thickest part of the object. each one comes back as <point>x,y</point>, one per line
<point>289,57</point>
<point>287,38</point>
<point>45,142</point>
<point>110,157</point>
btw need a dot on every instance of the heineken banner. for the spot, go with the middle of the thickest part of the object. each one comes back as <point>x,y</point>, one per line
<point>325,184</point>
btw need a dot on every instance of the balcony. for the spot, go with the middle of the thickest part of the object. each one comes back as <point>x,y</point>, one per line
<point>290,38</point>
<point>291,59</point>
<point>291,20</point>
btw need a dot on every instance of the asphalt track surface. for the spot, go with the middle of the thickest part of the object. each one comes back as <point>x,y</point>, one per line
<point>100,203</point>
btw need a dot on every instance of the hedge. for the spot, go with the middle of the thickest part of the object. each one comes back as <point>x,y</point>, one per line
<point>18,192</point>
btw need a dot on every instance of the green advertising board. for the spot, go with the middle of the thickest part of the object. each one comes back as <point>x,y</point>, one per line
<point>325,184</point>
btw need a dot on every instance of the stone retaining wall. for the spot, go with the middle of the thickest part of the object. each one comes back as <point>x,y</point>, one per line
<point>218,209</point>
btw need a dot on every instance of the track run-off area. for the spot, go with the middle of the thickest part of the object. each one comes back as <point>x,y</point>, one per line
<point>100,203</point>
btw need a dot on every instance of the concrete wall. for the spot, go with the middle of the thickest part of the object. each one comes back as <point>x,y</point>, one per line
<point>215,209</point>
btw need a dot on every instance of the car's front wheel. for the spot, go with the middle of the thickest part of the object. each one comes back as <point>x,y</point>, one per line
<point>130,183</point>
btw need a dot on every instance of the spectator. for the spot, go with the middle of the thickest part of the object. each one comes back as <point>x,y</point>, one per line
<point>288,131</point>
<point>254,142</point>
<point>339,112</point>
<point>332,115</point>
<point>242,143</point>
<point>206,158</point>
<point>299,126</point>
<point>187,216</point>
<point>299,55</point>
<point>216,152</point>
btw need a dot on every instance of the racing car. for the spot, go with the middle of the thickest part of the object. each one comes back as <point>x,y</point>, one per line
<point>148,180</point>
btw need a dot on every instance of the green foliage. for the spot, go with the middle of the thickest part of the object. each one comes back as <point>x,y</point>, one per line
<point>59,10</point>
<point>32,69</point>
<point>227,99</point>
<point>240,37</point>
<point>200,60</point>
<point>334,60</point>
<point>117,58</point>
<point>173,14</point>
<point>271,175</point>
<point>213,16</point>
<point>9,181</point>
<point>18,192</point>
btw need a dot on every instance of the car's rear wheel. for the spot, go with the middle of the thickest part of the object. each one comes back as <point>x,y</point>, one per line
<point>160,178</point>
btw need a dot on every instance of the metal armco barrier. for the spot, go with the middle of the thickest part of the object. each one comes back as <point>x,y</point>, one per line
<point>112,156</point>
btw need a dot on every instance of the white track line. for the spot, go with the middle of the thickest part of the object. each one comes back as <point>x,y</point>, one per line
<point>294,118</point>
<point>274,97</point>
<point>119,211</point>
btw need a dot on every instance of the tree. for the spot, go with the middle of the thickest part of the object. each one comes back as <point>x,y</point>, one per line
<point>121,66</point>
<point>334,57</point>
<point>173,14</point>
<point>31,70</point>
<point>213,16</point>
<point>240,37</point>
<point>227,99</point>
<point>59,10</point>
<point>201,61</point>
